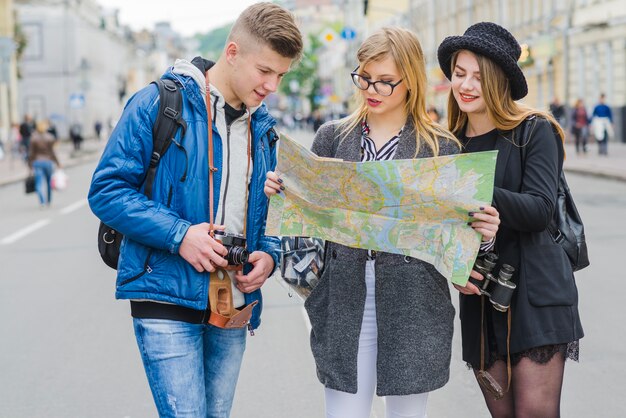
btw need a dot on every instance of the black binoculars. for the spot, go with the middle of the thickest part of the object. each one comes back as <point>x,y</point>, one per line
<point>498,289</point>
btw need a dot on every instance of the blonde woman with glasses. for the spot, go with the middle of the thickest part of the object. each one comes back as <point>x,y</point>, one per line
<point>381,322</point>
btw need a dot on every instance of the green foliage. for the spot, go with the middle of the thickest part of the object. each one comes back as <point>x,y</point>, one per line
<point>305,72</point>
<point>212,43</point>
<point>21,42</point>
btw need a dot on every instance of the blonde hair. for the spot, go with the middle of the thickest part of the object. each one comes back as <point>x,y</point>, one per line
<point>403,47</point>
<point>42,126</point>
<point>502,110</point>
<point>268,24</point>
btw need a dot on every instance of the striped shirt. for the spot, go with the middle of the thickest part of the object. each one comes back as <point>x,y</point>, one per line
<point>369,153</point>
<point>368,147</point>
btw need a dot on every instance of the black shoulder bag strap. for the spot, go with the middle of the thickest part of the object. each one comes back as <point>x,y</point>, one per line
<point>169,118</point>
<point>524,139</point>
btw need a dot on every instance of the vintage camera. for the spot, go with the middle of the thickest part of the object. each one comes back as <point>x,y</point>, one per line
<point>236,246</point>
<point>499,289</point>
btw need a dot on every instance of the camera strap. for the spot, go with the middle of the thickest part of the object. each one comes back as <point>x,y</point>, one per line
<point>223,313</point>
<point>484,378</point>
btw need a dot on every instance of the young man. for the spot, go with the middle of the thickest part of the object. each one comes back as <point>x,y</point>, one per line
<point>169,259</point>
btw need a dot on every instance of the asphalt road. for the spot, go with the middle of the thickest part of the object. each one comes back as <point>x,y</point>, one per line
<point>68,349</point>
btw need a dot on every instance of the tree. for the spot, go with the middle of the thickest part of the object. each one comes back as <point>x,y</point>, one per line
<point>212,43</point>
<point>20,44</point>
<point>305,72</point>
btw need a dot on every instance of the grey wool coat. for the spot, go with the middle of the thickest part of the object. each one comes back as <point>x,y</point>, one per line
<point>413,309</point>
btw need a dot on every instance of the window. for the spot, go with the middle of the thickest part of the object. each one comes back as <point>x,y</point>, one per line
<point>580,63</point>
<point>34,48</point>
<point>609,71</point>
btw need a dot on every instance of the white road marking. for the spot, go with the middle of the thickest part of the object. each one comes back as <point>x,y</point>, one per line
<point>24,231</point>
<point>74,206</point>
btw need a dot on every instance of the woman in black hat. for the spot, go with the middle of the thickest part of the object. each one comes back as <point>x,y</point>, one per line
<point>522,350</point>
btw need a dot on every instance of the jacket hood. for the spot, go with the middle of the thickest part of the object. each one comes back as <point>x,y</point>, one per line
<point>194,69</point>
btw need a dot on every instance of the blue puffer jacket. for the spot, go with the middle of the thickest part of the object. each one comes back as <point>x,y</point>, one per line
<point>149,265</point>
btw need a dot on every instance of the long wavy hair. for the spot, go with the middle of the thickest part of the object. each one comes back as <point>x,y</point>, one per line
<point>403,47</point>
<point>502,110</point>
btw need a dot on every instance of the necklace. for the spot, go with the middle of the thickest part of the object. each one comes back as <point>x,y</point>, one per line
<point>466,140</point>
<point>484,142</point>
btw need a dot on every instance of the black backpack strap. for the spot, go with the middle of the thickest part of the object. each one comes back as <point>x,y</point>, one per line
<point>169,118</point>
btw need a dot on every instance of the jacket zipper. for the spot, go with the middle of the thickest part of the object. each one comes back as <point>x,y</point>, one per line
<point>146,269</point>
<point>179,145</point>
<point>227,180</point>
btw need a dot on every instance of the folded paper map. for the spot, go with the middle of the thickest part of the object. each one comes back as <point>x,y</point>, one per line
<point>413,207</point>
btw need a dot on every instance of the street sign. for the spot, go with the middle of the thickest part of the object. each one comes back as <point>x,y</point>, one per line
<point>77,100</point>
<point>348,33</point>
<point>328,36</point>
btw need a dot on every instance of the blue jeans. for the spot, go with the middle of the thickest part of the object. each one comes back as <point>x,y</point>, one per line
<point>192,369</point>
<point>43,175</point>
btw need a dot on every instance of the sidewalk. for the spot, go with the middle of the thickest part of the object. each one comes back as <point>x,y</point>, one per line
<point>13,169</point>
<point>613,167</point>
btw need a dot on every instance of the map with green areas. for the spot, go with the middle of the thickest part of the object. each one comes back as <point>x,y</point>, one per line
<point>413,207</point>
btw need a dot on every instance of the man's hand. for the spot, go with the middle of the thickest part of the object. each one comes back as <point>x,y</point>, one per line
<point>263,264</point>
<point>201,250</point>
<point>469,288</point>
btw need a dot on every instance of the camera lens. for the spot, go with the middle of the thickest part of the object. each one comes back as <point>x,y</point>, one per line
<point>237,255</point>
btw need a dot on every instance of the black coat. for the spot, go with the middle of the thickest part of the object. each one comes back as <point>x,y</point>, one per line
<point>544,307</point>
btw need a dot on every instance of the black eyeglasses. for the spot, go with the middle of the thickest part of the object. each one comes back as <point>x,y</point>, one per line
<point>384,88</point>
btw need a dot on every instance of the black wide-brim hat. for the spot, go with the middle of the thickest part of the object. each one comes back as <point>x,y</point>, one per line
<point>491,41</point>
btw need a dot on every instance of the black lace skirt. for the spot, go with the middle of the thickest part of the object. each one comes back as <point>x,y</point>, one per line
<point>539,355</point>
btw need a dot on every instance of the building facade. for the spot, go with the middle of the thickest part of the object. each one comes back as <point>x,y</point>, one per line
<point>80,65</point>
<point>74,68</point>
<point>572,48</point>
<point>8,70</point>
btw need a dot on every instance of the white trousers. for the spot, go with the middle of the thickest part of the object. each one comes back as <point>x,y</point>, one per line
<point>359,405</point>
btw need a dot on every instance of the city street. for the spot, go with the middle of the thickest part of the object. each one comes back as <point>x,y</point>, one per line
<point>68,348</point>
<point>77,69</point>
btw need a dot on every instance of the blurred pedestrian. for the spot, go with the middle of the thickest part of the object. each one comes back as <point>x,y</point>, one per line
<point>318,120</point>
<point>558,111</point>
<point>433,113</point>
<point>524,345</point>
<point>602,125</point>
<point>26,131</point>
<point>52,129</point>
<point>97,127</point>
<point>76,135</point>
<point>41,160</point>
<point>580,126</point>
<point>15,139</point>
